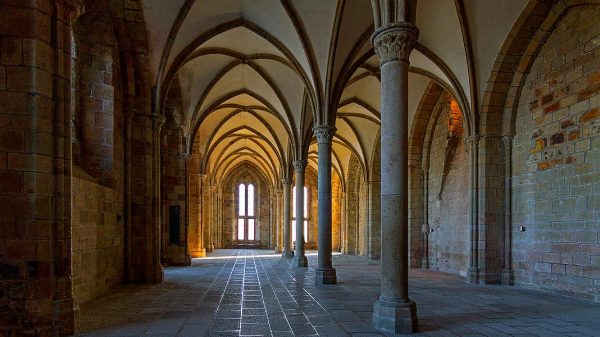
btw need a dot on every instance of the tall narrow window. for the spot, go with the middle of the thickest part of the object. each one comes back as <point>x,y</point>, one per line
<point>305,213</point>
<point>246,213</point>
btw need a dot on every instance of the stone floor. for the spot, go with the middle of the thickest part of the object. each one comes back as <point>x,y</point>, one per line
<point>256,293</point>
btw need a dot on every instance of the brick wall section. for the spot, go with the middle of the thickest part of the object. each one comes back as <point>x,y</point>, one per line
<point>449,215</point>
<point>98,237</point>
<point>556,162</point>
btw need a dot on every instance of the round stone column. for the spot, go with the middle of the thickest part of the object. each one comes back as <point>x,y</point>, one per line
<point>325,273</point>
<point>394,312</point>
<point>287,253</point>
<point>300,258</point>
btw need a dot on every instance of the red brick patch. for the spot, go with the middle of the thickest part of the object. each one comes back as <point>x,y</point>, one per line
<point>551,108</point>
<point>589,92</point>
<point>590,115</point>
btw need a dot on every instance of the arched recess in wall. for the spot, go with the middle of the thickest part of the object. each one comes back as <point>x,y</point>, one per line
<point>246,173</point>
<point>111,111</point>
<point>546,102</point>
<point>98,119</point>
<point>439,177</point>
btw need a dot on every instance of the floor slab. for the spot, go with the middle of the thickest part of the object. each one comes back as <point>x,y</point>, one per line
<point>256,293</point>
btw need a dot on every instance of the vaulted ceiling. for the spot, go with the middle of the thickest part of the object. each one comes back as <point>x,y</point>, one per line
<point>255,75</point>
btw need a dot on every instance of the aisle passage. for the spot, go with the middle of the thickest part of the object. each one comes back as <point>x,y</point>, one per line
<point>256,293</point>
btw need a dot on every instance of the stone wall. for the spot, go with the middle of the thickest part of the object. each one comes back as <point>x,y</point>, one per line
<point>556,162</point>
<point>98,237</point>
<point>447,190</point>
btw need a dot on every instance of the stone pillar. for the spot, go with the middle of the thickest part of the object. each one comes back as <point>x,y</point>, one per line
<point>473,149</point>
<point>325,273</point>
<point>287,253</point>
<point>299,258</point>
<point>507,271</point>
<point>215,196</point>
<point>278,221</point>
<point>394,311</point>
<point>425,226</point>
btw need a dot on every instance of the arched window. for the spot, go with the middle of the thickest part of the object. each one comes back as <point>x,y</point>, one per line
<point>305,220</point>
<point>246,213</point>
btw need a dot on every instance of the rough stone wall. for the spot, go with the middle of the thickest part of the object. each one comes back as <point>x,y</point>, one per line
<point>556,162</point>
<point>448,207</point>
<point>352,226</point>
<point>98,237</point>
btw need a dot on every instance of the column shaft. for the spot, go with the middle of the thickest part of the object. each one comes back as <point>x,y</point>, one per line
<point>300,258</point>
<point>325,273</point>
<point>394,311</point>
<point>287,226</point>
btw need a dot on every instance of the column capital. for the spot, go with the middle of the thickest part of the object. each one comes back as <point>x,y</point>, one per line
<point>158,121</point>
<point>324,133</point>
<point>299,165</point>
<point>395,42</point>
<point>286,182</point>
<point>507,138</point>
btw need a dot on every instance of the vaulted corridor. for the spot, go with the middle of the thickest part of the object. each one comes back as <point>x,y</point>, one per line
<point>255,292</point>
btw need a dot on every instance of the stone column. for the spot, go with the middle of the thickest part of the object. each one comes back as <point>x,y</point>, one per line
<point>278,221</point>
<point>425,226</point>
<point>325,273</point>
<point>299,258</point>
<point>507,271</point>
<point>287,253</point>
<point>473,149</point>
<point>394,311</point>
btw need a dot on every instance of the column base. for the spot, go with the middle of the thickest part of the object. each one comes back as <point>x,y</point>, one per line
<point>473,276</point>
<point>394,317</point>
<point>288,254</point>
<point>300,261</point>
<point>198,253</point>
<point>278,249</point>
<point>325,276</point>
<point>508,276</point>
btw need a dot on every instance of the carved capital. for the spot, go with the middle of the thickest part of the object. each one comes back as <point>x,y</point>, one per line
<point>299,165</point>
<point>472,142</point>
<point>324,133</point>
<point>286,182</point>
<point>507,139</point>
<point>395,42</point>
